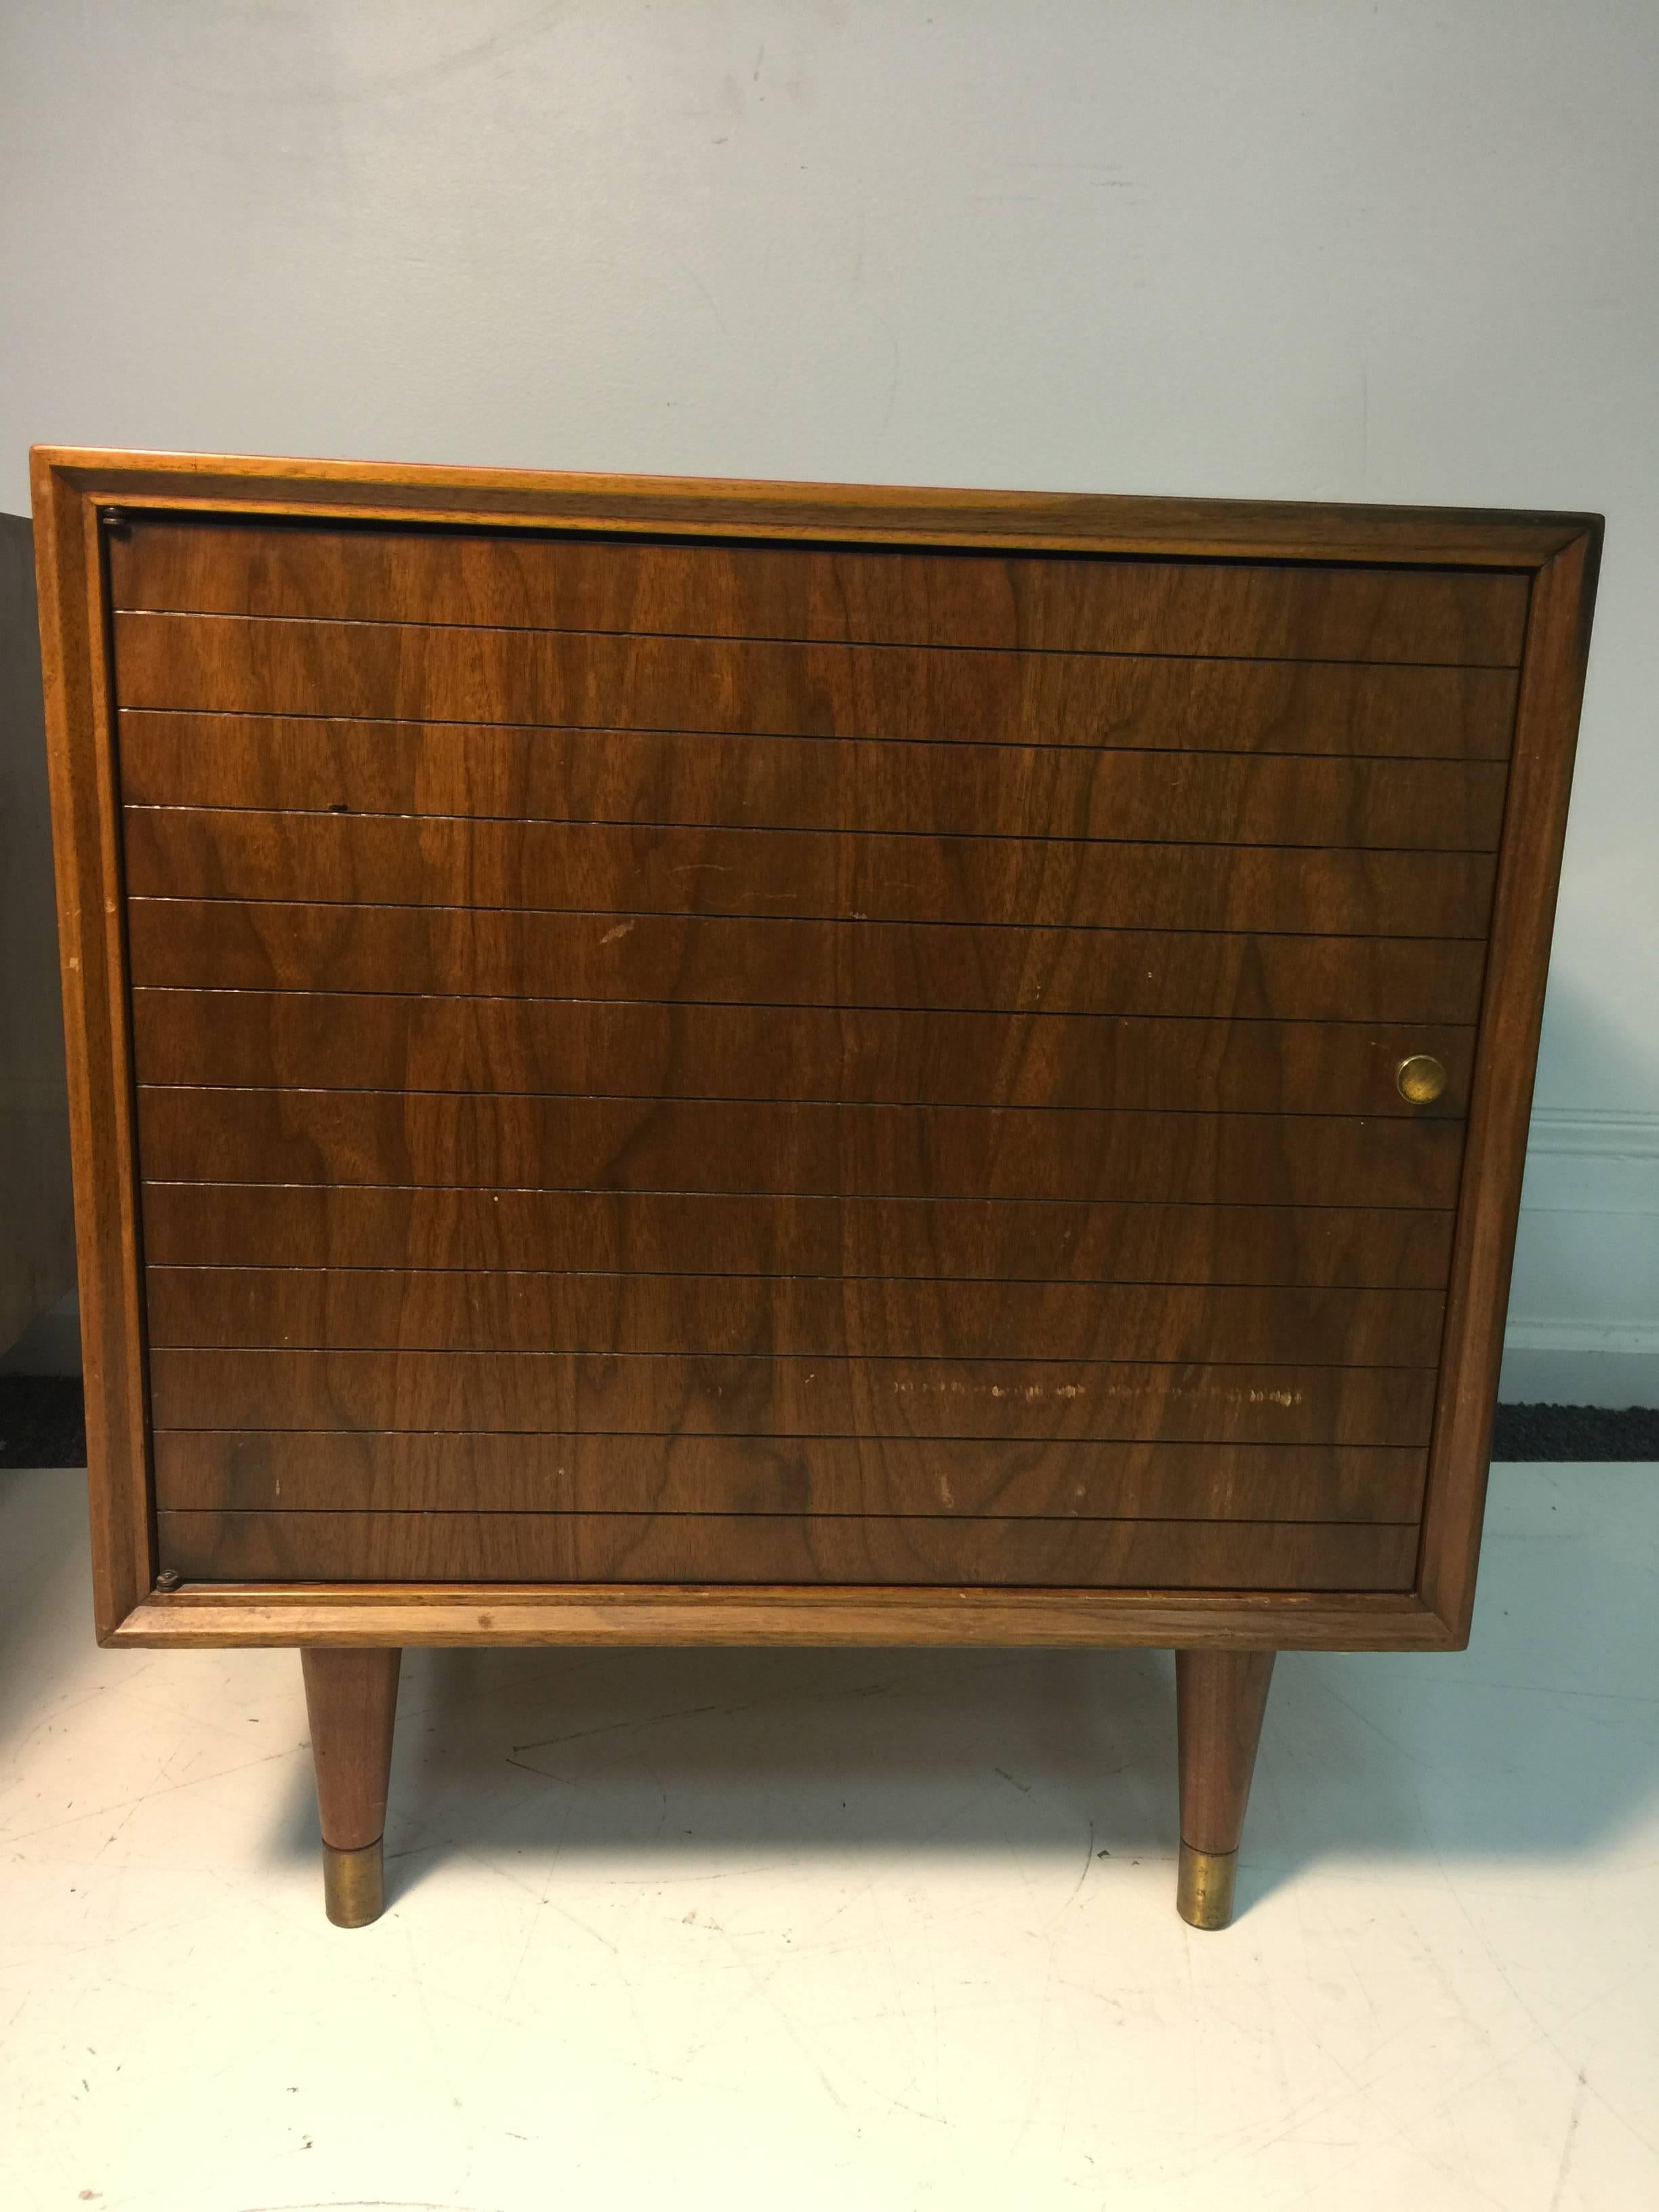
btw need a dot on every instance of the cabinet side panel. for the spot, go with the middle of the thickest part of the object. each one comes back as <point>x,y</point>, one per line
<point>1529,867</point>
<point>86,854</point>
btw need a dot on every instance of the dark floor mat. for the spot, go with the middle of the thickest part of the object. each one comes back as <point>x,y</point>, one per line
<point>40,1421</point>
<point>1586,1432</point>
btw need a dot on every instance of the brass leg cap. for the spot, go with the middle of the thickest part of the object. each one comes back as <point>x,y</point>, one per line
<point>354,1891</point>
<point>1203,1887</point>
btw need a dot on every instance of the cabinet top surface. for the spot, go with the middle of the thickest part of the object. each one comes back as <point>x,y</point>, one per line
<point>1075,521</point>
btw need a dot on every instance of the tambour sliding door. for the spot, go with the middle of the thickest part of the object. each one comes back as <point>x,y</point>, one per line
<point>1040,907</point>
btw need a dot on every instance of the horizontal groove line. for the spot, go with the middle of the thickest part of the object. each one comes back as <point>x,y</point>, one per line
<point>772,1358</point>
<point>206,1596</point>
<point>885,1198</point>
<point>816,645</point>
<point>790,920</point>
<point>787,1443</point>
<point>785,1440</point>
<point>1085,750</point>
<point>787,920</point>
<point>793,830</point>
<point>561,1437</point>
<point>794,1005</point>
<point>789,1197</point>
<point>786,1005</point>
<point>728,1275</point>
<point>753,1513</point>
<point>851,1105</point>
<point>1194,843</point>
<point>881,540</point>
<point>674,1275</point>
<point>691,1352</point>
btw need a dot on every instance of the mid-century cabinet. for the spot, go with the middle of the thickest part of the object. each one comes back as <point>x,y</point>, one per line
<point>668,1061</point>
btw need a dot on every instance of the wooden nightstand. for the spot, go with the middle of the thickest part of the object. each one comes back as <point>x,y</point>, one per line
<point>670,1061</point>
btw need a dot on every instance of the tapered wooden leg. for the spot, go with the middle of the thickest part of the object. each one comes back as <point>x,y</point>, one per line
<point>352,1699</point>
<point>1220,1697</point>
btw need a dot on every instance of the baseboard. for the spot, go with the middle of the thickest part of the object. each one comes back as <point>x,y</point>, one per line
<point>1550,1376</point>
<point>1592,1163</point>
<point>1583,1326</point>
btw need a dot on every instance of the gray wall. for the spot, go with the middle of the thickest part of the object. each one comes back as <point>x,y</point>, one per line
<point>1302,248</point>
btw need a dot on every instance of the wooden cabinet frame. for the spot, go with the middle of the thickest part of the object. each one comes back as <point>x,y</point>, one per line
<point>73,490</point>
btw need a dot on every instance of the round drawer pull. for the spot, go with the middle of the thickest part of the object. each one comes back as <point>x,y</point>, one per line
<point>1421,1078</point>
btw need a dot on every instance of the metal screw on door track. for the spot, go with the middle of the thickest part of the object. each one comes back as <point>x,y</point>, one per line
<point>168,1579</point>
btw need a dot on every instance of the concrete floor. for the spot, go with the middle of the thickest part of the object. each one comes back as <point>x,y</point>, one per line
<point>843,1930</point>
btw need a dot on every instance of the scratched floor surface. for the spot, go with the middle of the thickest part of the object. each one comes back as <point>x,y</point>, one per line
<point>877,1931</point>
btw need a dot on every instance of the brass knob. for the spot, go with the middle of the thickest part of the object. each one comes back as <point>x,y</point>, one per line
<point>1421,1078</point>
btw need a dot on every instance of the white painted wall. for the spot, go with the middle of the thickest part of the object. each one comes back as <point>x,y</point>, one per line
<point>1297,248</point>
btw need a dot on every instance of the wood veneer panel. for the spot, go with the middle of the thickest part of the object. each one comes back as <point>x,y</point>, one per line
<point>875,1152</point>
<point>1221,1698</point>
<point>69,484</point>
<point>251,1470</point>
<point>374,1308</point>
<point>1558,643</point>
<point>836,691</point>
<point>248,1224</point>
<point>351,1712</point>
<point>889,596</point>
<point>638,1393</point>
<point>86,862</point>
<point>236,487</point>
<point>272,945</point>
<point>807,783</point>
<point>533,1547</point>
<point>601,867</point>
<point>201,1616</point>
<point>504,1047</point>
<point>398,672</point>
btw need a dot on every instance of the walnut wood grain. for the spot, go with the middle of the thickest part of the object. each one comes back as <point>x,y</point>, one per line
<point>346,1616</point>
<point>1220,1699</point>
<point>1511,1017</point>
<point>784,688</point>
<point>601,867</point>
<point>200,487</point>
<point>345,1137</point>
<point>1559,550</point>
<point>887,597</point>
<point>260,945</point>
<point>633,1393</point>
<point>553,1547</point>
<point>351,1704</point>
<point>385,1308</point>
<point>807,783</point>
<point>259,1470</point>
<point>293,1225</point>
<point>798,1615</point>
<point>86,852</point>
<point>505,1047</point>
